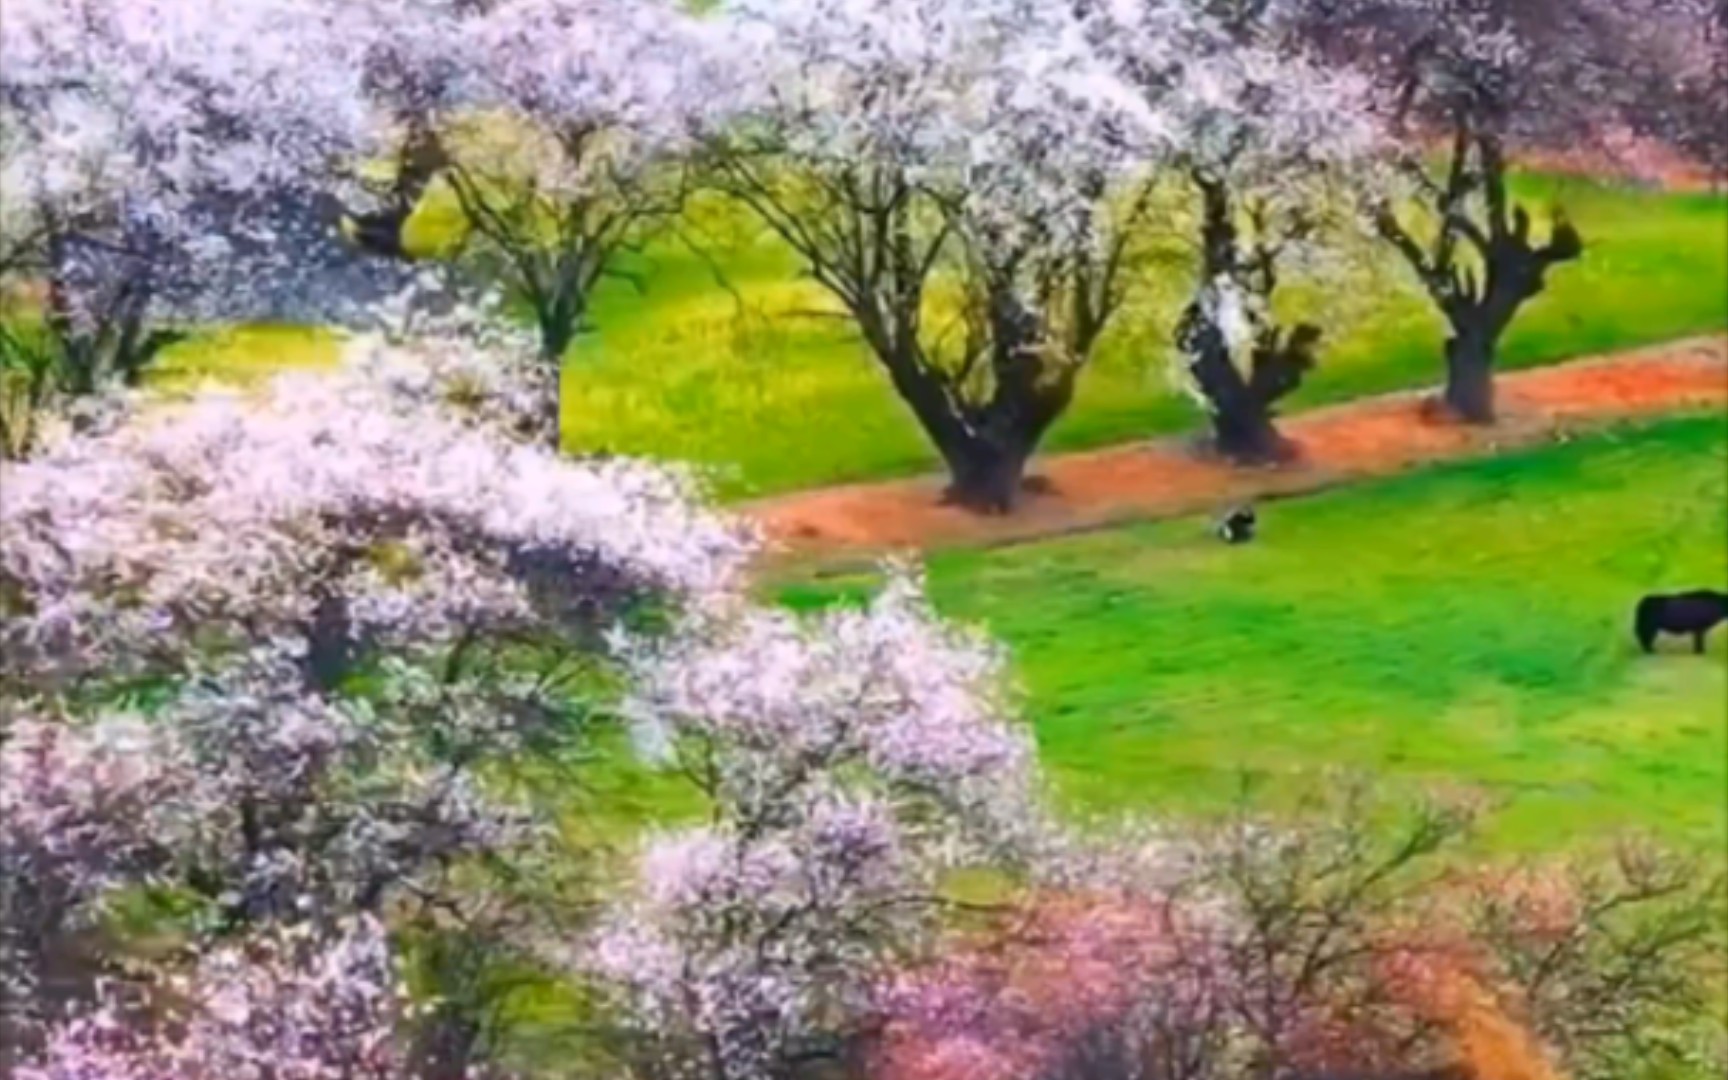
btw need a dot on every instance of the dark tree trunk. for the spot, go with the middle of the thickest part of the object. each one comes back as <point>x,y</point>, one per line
<point>1242,420</point>
<point>111,338</point>
<point>558,319</point>
<point>985,452</point>
<point>1242,404</point>
<point>329,642</point>
<point>986,473</point>
<point>383,232</point>
<point>549,425</point>
<point>445,1044</point>
<point>985,444</point>
<point>1249,437</point>
<point>1469,392</point>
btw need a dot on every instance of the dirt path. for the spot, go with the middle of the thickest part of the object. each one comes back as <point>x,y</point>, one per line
<point>1167,478</point>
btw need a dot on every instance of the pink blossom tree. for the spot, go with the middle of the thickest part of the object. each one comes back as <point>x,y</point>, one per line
<point>846,762</point>
<point>1343,942</point>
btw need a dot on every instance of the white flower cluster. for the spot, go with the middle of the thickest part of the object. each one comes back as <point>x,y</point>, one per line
<point>240,513</point>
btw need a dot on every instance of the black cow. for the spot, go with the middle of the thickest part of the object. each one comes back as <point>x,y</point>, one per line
<point>1695,613</point>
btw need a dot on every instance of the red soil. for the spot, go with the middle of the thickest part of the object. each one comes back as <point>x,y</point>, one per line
<point>1369,438</point>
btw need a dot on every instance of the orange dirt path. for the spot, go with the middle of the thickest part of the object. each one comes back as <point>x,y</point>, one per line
<point>1170,477</point>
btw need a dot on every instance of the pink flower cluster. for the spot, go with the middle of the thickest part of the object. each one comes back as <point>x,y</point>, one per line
<point>848,759</point>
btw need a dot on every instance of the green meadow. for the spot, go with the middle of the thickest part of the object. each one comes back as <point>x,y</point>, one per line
<point>1467,627</point>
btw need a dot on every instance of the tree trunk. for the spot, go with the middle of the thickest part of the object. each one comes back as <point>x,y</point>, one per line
<point>1240,403</point>
<point>1469,390</point>
<point>986,473</point>
<point>558,320</point>
<point>1480,301</point>
<point>1242,424</point>
<point>558,325</point>
<point>1247,435</point>
<point>329,642</point>
<point>446,1045</point>
<point>984,449</point>
<point>112,338</point>
<point>546,425</point>
<point>1243,431</point>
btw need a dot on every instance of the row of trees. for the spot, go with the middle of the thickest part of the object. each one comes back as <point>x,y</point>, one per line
<point>976,183</point>
<point>299,687</point>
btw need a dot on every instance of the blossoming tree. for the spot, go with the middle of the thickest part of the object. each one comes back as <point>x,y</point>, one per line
<point>845,761</point>
<point>300,1004</point>
<point>557,125</point>
<point>1268,141</point>
<point>944,172</point>
<point>349,606</point>
<point>144,147</point>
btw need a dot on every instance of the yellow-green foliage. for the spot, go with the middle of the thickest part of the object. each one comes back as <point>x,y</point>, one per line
<point>244,354</point>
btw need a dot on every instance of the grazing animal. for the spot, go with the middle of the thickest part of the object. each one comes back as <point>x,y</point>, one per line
<point>1237,527</point>
<point>1695,613</point>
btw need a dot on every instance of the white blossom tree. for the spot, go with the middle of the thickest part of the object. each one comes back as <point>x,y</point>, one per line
<point>944,171</point>
<point>1268,141</point>
<point>328,516</point>
<point>558,125</point>
<point>846,761</point>
<point>413,75</point>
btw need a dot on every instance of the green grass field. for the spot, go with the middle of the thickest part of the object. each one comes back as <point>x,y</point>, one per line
<point>1467,625</point>
<point>758,380</point>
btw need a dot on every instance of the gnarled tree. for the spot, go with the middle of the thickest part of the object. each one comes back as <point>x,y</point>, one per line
<point>1267,141</point>
<point>1491,77</point>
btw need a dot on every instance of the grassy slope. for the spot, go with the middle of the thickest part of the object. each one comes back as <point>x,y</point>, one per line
<point>1469,625</point>
<point>687,370</point>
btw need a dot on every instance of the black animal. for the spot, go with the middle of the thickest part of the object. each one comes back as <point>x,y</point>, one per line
<point>1237,527</point>
<point>1695,613</point>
